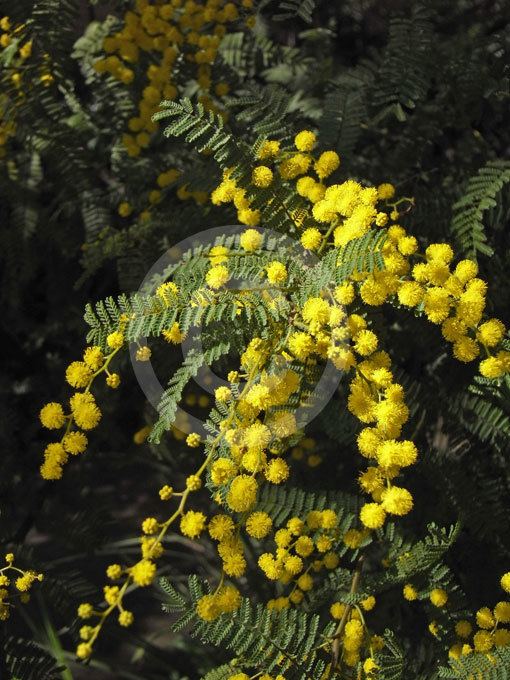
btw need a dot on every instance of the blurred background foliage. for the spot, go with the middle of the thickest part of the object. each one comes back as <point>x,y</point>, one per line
<point>416,93</point>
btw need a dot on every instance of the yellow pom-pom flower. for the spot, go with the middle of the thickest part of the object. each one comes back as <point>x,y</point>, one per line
<point>262,176</point>
<point>193,483</point>
<point>217,276</point>
<point>78,374</point>
<point>74,442</point>
<point>483,641</point>
<point>125,209</point>
<point>327,163</point>
<point>258,524</point>
<point>410,592</point>
<point>368,603</point>
<point>276,272</point>
<point>251,240</point>
<point>311,238</point>
<point>397,501</point>
<point>52,416</point>
<point>221,527</point>
<point>385,191</point>
<point>505,582</point>
<point>491,332</point>
<point>277,471</point>
<point>143,572</point>
<point>115,340</point>
<point>372,515</point>
<point>125,618</point>
<point>438,597</point>
<point>193,523</point>
<point>502,612</point>
<point>305,140</point>
<point>337,610</point>
<point>242,493</point>
<point>365,342</point>
<point>463,628</point>
<point>485,618</point>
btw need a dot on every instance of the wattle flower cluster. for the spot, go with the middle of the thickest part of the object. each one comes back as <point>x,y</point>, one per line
<point>18,71</point>
<point>354,635</point>
<point>161,46</point>
<point>21,580</point>
<point>455,299</point>
<point>486,633</point>
<point>257,432</point>
<point>84,413</point>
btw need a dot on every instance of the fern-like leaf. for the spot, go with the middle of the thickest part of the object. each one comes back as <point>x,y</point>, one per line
<point>167,407</point>
<point>260,637</point>
<point>289,9</point>
<point>26,660</point>
<point>492,666</point>
<point>469,211</point>
<point>405,70</point>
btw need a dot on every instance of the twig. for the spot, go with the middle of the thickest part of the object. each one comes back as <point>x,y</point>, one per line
<point>335,652</point>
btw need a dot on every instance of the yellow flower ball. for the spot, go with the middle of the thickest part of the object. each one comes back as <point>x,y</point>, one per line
<point>258,524</point>
<point>385,191</point>
<point>505,582</point>
<point>125,618</point>
<point>410,592</point>
<point>262,176</point>
<point>337,610</point>
<point>78,374</point>
<point>438,597</point>
<point>242,493</point>
<point>311,238</point>
<point>276,273</point>
<point>491,332</point>
<point>52,416</point>
<point>368,603</point>
<point>463,628</point>
<point>485,618</point>
<point>217,276</point>
<point>372,515</point>
<point>327,163</point>
<point>143,572</point>
<point>251,240</point>
<point>483,641</point>
<point>193,523</point>
<point>305,140</point>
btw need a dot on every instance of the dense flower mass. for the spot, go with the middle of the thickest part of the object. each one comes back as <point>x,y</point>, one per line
<point>327,457</point>
<point>145,55</point>
<point>255,434</point>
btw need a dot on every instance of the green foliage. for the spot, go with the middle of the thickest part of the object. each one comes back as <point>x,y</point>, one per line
<point>470,211</point>
<point>411,559</point>
<point>416,94</point>
<point>288,9</point>
<point>405,72</point>
<point>263,110</point>
<point>392,661</point>
<point>255,634</point>
<point>493,666</point>
<point>485,418</point>
<point>281,504</point>
<point>361,254</point>
<point>345,110</point>
<point>206,131</point>
<point>25,660</point>
<point>172,395</point>
<point>220,673</point>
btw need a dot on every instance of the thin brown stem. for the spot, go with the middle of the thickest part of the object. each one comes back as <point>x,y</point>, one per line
<point>341,625</point>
